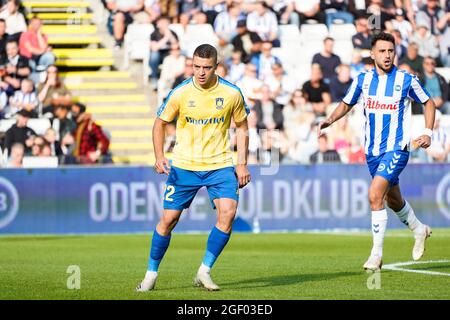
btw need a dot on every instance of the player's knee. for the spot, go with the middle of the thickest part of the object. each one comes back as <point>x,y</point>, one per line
<point>375,199</point>
<point>167,223</point>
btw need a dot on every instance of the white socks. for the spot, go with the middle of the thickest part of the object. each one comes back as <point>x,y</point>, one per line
<point>204,268</point>
<point>407,216</point>
<point>379,222</point>
<point>151,274</point>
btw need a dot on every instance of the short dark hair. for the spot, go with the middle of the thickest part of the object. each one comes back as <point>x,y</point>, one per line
<point>382,36</point>
<point>206,51</point>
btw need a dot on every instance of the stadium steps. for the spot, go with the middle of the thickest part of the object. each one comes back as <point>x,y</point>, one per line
<point>118,100</point>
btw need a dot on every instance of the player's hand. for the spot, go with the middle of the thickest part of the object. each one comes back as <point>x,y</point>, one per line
<point>322,125</point>
<point>162,166</point>
<point>243,175</point>
<point>423,141</point>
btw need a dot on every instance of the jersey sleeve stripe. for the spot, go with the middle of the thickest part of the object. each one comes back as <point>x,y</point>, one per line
<point>163,106</point>
<point>227,83</point>
<point>353,93</point>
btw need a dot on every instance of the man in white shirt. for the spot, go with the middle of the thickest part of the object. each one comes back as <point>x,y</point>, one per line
<point>15,21</point>
<point>264,23</point>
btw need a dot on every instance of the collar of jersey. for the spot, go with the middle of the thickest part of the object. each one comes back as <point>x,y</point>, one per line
<point>205,90</point>
<point>394,68</point>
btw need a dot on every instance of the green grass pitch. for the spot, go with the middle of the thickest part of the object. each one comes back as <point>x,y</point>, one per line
<point>252,266</point>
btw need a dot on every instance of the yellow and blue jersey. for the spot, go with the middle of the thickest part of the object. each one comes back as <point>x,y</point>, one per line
<point>203,120</point>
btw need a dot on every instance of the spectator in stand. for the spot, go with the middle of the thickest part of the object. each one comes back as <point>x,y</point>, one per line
<point>121,15</point>
<point>297,115</point>
<point>236,67</point>
<point>66,125</point>
<point>226,22</point>
<point>152,9</point>
<point>436,85</point>
<point>269,113</point>
<point>339,84</point>
<point>25,98</point>
<point>17,67</point>
<point>400,49</point>
<point>250,85</point>
<point>427,43</point>
<point>317,92</point>
<point>33,44</point>
<point>247,42</point>
<point>413,59</point>
<point>283,9</point>
<point>3,103</point>
<point>188,72</point>
<point>161,40</point>
<point>38,144</point>
<point>55,145</point>
<point>3,39</point>
<point>17,153</point>
<point>169,8</point>
<point>172,67</point>
<point>357,64</point>
<point>358,8</point>
<point>439,149</point>
<point>264,61</point>
<point>324,154</point>
<point>53,92</point>
<point>20,133</point>
<point>327,60</point>
<point>380,12</point>
<point>444,42</point>
<point>402,25</point>
<point>15,21</point>
<point>212,8</point>
<point>254,141</point>
<point>190,10</point>
<point>264,22</point>
<point>281,85</point>
<point>309,9</point>
<point>341,138</point>
<point>222,70</point>
<point>356,154</point>
<point>431,14</point>
<point>334,10</point>
<point>91,144</point>
<point>363,37</point>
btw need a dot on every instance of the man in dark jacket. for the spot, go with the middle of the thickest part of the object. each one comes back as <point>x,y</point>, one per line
<point>20,133</point>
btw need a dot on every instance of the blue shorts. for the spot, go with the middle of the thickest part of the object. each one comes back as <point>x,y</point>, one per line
<point>182,186</point>
<point>388,165</point>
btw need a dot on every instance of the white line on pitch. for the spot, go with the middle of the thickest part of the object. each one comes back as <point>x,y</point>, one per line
<point>396,267</point>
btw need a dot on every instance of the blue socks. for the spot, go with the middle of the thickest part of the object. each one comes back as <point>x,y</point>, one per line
<point>159,247</point>
<point>217,240</point>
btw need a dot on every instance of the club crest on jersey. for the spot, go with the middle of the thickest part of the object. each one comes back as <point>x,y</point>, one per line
<point>191,103</point>
<point>219,103</point>
<point>381,167</point>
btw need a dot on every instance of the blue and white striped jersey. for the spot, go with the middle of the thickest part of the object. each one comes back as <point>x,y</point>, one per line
<point>387,108</point>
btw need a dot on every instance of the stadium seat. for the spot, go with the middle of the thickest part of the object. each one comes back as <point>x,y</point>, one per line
<point>137,46</point>
<point>181,34</point>
<point>342,31</point>
<point>445,72</point>
<point>73,40</point>
<point>69,29</point>
<point>313,32</point>
<point>344,49</point>
<point>5,124</point>
<point>39,125</point>
<point>40,162</point>
<point>289,33</point>
<point>197,34</point>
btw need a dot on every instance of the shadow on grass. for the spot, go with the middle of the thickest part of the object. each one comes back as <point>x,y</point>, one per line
<point>285,280</point>
<point>37,238</point>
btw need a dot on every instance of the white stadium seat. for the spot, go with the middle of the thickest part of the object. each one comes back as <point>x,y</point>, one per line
<point>313,32</point>
<point>342,31</point>
<point>40,162</point>
<point>137,46</point>
<point>289,33</point>
<point>197,34</point>
<point>445,72</point>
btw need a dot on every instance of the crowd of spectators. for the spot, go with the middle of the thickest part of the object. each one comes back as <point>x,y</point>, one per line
<point>31,88</point>
<point>285,112</point>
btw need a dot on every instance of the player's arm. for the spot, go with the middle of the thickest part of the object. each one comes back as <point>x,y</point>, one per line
<point>341,110</point>
<point>166,113</point>
<point>242,172</point>
<point>159,130</point>
<point>424,141</point>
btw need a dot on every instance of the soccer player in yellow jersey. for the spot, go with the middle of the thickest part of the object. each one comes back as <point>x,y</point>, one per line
<point>204,106</point>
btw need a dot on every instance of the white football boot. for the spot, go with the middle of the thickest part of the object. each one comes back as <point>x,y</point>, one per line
<point>419,244</point>
<point>203,279</point>
<point>374,263</point>
<point>148,283</point>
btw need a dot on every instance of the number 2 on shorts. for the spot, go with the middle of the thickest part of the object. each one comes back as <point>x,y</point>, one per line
<point>170,190</point>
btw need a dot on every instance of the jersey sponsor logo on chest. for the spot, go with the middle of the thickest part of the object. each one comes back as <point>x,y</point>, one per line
<point>377,105</point>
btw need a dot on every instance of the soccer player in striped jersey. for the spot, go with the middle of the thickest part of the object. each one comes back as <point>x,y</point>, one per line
<point>205,106</point>
<point>386,93</point>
